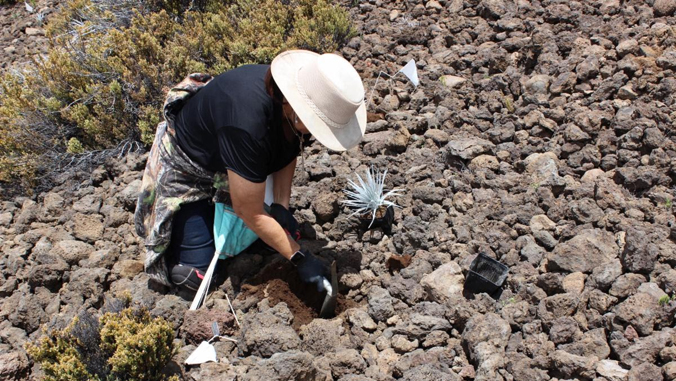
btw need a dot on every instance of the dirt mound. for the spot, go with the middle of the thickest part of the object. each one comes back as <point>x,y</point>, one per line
<point>279,282</point>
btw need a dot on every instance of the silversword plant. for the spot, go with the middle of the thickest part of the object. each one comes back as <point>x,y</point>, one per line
<point>367,196</point>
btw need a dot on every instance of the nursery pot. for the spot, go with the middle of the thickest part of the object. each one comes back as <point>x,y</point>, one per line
<point>384,219</point>
<point>485,275</point>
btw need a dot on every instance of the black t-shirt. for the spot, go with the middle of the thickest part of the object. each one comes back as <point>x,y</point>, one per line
<point>229,124</point>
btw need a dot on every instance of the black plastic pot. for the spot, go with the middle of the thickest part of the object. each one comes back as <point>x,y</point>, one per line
<point>385,222</point>
<point>485,275</point>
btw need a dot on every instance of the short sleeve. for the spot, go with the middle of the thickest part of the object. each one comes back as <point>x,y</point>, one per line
<point>243,154</point>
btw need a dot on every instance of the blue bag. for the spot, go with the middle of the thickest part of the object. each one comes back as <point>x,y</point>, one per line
<point>231,235</point>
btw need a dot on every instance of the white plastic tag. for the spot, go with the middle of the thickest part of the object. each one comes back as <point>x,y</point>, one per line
<point>204,353</point>
<point>411,71</point>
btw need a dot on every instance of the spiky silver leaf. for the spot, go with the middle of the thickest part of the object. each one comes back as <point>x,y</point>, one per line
<point>367,195</point>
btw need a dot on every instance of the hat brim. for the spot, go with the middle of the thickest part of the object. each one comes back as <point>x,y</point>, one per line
<point>284,70</point>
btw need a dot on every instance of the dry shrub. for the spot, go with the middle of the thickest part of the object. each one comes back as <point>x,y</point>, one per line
<point>110,63</point>
<point>120,345</point>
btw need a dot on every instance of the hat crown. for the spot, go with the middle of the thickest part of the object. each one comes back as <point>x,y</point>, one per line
<point>332,87</point>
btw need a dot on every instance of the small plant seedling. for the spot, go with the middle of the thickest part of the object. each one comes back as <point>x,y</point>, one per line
<point>664,300</point>
<point>367,196</point>
<point>509,104</point>
<point>509,301</point>
<point>668,203</point>
<point>535,186</point>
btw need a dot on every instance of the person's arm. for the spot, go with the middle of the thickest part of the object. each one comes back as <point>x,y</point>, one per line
<point>282,181</point>
<point>247,201</point>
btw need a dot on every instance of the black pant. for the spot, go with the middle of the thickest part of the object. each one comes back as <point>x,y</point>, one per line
<point>192,235</point>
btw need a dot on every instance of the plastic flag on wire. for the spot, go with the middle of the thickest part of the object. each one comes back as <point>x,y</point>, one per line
<point>409,70</point>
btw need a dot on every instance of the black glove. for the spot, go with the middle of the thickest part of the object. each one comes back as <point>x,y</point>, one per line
<point>286,220</point>
<point>311,269</point>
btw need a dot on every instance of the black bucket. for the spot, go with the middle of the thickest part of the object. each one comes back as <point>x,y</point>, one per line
<point>385,222</point>
<point>485,275</point>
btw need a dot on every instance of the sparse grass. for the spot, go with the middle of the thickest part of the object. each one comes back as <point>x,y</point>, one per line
<point>509,103</point>
<point>666,299</point>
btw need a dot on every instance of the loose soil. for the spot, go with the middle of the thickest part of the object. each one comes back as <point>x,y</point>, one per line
<point>279,282</point>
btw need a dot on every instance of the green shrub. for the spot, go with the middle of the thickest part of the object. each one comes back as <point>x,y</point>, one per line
<point>110,64</point>
<point>123,345</point>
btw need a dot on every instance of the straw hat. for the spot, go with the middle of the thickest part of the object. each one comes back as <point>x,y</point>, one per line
<point>326,93</point>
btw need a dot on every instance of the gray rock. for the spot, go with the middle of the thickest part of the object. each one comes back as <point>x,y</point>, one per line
<point>291,365</point>
<point>639,311</point>
<point>669,370</point>
<point>429,194</point>
<point>444,282</point>
<point>87,227</point>
<point>611,370</point>
<point>600,301</point>
<point>545,239</point>
<point>88,204</point>
<point>266,341</point>
<point>380,305</point>
<point>667,60</point>
<point>543,170</point>
<point>429,372</point>
<point>53,203</point>
<point>574,134</point>
<point>664,7</point>
<point>128,196</point>
<point>639,254</point>
<point>171,308</point>
<point>604,276</point>
<point>563,330</point>
<point>322,336</point>
<point>564,83</point>
<point>407,290</point>
<point>571,366</point>
<point>325,206</point>
<point>469,148</point>
<point>517,314</point>
<point>361,319</point>
<point>14,366</point>
<point>485,336</point>
<point>636,179</point>
<point>533,253</point>
<point>85,288</point>
<point>589,249</point>
<point>402,344</point>
<point>626,284</point>
<point>585,211</point>
<point>627,47</point>
<point>645,372</point>
<point>346,361</point>
<point>556,306</point>
<point>645,349</point>
<point>592,343</point>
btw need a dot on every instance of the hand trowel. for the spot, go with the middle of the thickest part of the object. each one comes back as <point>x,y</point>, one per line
<point>331,287</point>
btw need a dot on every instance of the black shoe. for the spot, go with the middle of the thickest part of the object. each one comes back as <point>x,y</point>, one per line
<point>186,277</point>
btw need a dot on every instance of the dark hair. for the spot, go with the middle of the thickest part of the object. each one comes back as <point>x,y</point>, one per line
<point>277,97</point>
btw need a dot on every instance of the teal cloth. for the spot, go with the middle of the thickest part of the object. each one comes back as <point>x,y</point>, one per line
<point>231,235</point>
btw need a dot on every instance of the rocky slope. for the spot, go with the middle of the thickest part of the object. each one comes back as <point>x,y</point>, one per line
<point>541,134</point>
<point>22,33</point>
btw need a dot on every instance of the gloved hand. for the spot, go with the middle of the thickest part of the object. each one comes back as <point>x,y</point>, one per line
<point>311,269</point>
<point>286,220</point>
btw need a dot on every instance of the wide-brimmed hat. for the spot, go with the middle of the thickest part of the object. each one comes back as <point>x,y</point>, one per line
<point>326,93</point>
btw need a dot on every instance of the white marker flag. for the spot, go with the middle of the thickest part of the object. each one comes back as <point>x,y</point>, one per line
<point>411,72</point>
